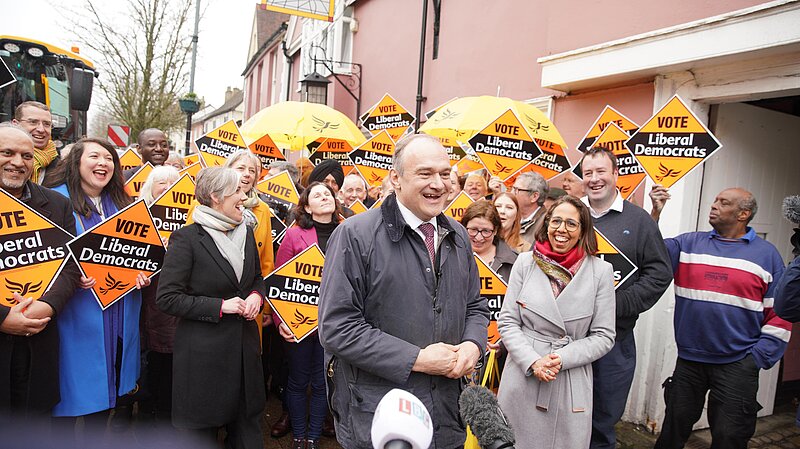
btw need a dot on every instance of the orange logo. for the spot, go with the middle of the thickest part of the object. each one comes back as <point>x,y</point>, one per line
<point>301,319</point>
<point>16,287</point>
<point>112,284</point>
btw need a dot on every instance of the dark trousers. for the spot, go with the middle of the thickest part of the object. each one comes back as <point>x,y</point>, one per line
<point>273,359</point>
<point>17,413</point>
<point>613,376</point>
<point>732,404</point>
<point>306,368</point>
<point>159,385</point>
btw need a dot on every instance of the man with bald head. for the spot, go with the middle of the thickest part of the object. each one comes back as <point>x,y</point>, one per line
<point>153,147</point>
<point>28,334</point>
<point>399,301</point>
<point>725,328</point>
<point>354,188</point>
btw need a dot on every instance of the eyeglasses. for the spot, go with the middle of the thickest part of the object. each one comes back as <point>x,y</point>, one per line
<point>35,123</point>
<point>516,190</point>
<point>570,225</point>
<point>485,233</point>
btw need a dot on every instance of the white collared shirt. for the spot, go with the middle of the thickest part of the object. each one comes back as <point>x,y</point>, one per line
<point>414,222</point>
<point>615,206</point>
<point>530,217</point>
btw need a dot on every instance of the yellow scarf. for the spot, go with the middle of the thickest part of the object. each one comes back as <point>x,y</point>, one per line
<point>42,158</point>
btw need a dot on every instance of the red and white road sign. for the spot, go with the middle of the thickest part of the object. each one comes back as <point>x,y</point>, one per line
<point>119,135</point>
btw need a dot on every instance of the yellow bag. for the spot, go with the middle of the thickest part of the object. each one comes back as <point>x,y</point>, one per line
<point>491,380</point>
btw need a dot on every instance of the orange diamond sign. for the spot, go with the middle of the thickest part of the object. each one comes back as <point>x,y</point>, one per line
<point>456,208</point>
<point>373,158</point>
<point>115,251</point>
<point>504,147</point>
<point>623,267</point>
<point>608,116</point>
<point>672,143</point>
<point>217,145</point>
<point>170,209</point>
<point>493,288</point>
<point>134,185</point>
<point>32,252</point>
<point>293,291</point>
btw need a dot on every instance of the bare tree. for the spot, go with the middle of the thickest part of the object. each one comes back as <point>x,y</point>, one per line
<point>142,56</point>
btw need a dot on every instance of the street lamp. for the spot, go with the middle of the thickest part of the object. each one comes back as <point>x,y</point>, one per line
<point>314,88</point>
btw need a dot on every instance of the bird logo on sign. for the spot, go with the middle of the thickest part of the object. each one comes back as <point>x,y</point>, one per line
<point>665,173</point>
<point>302,319</point>
<point>500,168</point>
<point>113,284</point>
<point>375,178</point>
<point>22,289</point>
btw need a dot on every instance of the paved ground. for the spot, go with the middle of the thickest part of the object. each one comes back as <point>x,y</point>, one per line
<point>773,432</point>
<point>777,431</point>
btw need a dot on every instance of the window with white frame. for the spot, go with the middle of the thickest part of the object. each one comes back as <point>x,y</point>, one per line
<point>329,41</point>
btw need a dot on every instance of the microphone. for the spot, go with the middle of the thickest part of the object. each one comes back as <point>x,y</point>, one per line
<point>401,421</point>
<point>791,210</point>
<point>480,410</point>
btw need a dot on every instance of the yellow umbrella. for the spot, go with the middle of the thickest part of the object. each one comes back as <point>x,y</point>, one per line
<point>464,117</point>
<point>460,119</point>
<point>294,124</point>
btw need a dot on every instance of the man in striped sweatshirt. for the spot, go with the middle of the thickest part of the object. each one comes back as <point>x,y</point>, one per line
<point>725,328</point>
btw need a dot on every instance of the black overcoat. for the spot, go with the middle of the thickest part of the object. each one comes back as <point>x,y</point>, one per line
<point>217,359</point>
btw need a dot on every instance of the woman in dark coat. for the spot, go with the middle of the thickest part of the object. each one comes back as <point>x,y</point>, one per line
<point>212,281</point>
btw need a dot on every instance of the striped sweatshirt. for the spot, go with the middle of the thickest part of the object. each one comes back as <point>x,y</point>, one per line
<point>724,298</point>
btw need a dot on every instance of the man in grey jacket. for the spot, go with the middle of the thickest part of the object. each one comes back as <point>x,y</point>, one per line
<point>399,302</point>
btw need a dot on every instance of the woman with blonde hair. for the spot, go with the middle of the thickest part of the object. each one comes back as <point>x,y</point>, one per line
<point>157,182</point>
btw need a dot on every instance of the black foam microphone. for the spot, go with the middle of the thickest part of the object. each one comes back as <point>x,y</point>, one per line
<point>791,210</point>
<point>481,412</point>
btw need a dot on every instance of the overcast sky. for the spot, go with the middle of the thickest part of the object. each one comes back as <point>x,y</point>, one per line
<point>222,46</point>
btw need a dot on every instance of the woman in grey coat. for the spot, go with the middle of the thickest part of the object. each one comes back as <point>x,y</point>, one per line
<point>557,318</point>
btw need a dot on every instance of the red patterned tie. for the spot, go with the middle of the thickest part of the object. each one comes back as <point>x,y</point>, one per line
<point>428,229</point>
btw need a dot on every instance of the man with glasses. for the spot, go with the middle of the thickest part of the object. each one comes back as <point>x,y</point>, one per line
<point>531,190</point>
<point>636,235</point>
<point>153,147</point>
<point>35,118</point>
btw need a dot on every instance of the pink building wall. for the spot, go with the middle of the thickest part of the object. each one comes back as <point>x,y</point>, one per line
<point>573,25</point>
<point>484,46</point>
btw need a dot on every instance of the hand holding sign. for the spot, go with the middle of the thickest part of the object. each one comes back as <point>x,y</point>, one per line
<point>17,323</point>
